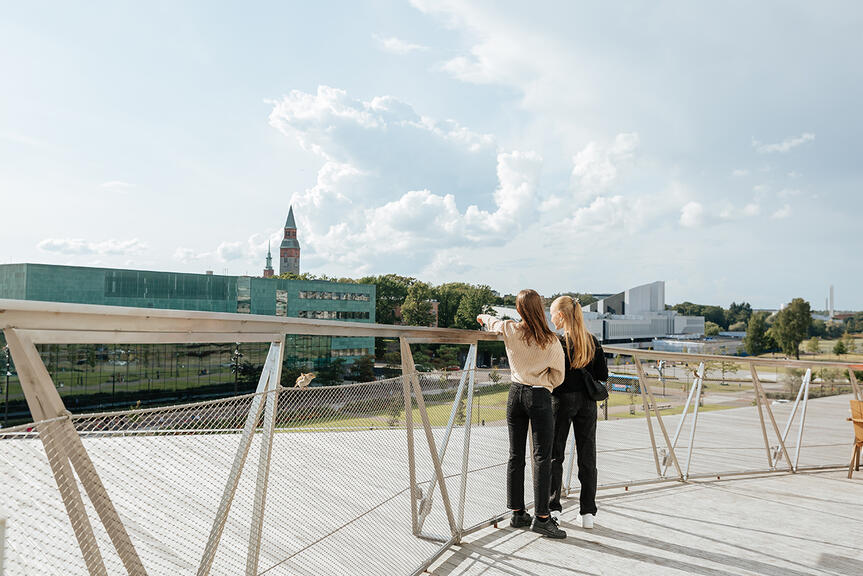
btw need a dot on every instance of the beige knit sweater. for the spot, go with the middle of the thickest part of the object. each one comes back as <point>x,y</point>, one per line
<point>529,365</point>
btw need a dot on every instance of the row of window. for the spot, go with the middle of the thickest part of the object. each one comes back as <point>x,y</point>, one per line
<point>167,285</point>
<point>333,315</point>
<point>342,352</point>
<point>316,295</point>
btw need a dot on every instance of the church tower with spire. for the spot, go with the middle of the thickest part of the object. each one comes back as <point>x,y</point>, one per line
<point>289,251</point>
<point>268,270</point>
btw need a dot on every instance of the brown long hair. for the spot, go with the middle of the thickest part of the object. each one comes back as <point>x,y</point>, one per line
<point>575,330</point>
<point>533,325</point>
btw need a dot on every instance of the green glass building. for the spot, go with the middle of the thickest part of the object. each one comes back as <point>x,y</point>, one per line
<point>203,292</point>
<point>118,375</point>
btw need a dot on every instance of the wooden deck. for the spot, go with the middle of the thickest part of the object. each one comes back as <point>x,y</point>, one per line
<point>338,504</point>
<point>779,525</point>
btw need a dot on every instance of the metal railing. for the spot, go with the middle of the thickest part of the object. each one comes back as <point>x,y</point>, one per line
<point>171,490</point>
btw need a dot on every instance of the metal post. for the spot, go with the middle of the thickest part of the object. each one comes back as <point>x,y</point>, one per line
<point>425,503</point>
<point>262,480</point>
<point>237,467</point>
<point>466,447</point>
<point>803,386</point>
<point>661,375</point>
<point>6,405</point>
<point>806,380</point>
<point>694,424</point>
<point>699,374</point>
<point>421,405</point>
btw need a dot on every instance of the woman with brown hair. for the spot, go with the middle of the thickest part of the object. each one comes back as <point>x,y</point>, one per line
<point>536,365</point>
<point>572,406</point>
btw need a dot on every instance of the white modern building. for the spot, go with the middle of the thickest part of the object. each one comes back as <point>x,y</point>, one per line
<point>634,317</point>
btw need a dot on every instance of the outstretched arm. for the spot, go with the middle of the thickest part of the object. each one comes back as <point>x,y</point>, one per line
<point>491,323</point>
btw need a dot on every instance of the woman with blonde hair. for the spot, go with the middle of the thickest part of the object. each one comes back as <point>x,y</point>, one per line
<point>536,366</point>
<point>573,406</point>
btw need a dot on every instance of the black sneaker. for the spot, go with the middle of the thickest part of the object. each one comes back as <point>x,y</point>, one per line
<point>547,527</point>
<point>520,519</point>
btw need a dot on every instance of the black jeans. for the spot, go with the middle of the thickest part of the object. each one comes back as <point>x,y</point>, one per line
<point>529,405</point>
<point>574,409</point>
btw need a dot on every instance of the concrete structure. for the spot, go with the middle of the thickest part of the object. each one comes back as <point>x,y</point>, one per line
<point>289,250</point>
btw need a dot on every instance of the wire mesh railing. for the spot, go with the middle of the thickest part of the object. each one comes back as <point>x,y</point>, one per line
<point>329,480</point>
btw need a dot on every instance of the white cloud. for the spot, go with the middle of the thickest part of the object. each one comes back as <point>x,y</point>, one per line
<point>188,255</point>
<point>396,46</point>
<point>785,145</point>
<point>740,172</point>
<point>117,185</point>
<point>692,215</point>
<point>78,246</point>
<point>781,213</point>
<point>596,167</point>
<point>786,193</point>
<point>752,209</point>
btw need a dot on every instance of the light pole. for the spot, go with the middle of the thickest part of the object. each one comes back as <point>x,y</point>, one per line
<point>236,366</point>
<point>8,373</point>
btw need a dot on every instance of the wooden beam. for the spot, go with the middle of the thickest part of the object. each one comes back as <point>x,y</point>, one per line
<point>681,357</point>
<point>117,337</point>
<point>407,368</point>
<point>30,315</point>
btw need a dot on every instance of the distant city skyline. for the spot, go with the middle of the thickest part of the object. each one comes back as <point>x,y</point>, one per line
<point>564,147</point>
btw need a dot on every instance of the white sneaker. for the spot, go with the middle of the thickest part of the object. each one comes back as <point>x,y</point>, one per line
<point>587,521</point>
<point>555,514</point>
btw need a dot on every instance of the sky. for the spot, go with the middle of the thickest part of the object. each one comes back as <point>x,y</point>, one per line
<point>562,146</point>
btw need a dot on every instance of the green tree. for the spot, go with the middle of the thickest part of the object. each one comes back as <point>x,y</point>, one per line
<point>449,298</point>
<point>839,348</point>
<point>792,326</point>
<point>363,369</point>
<point>711,329</point>
<point>715,314</point>
<point>850,343</point>
<point>756,341</point>
<point>476,301</point>
<point>417,307</point>
<point>390,291</point>
<point>333,373</point>
<point>818,328</point>
<point>738,313</point>
<point>813,345</point>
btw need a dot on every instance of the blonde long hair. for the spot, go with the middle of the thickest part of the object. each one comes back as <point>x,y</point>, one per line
<point>580,347</point>
<point>533,325</point>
